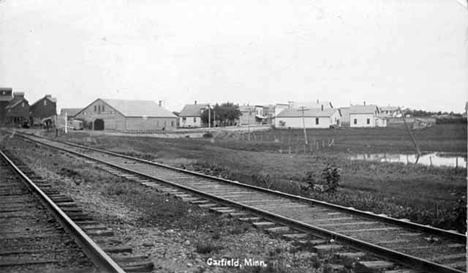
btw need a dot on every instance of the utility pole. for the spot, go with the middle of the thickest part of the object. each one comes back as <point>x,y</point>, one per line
<point>410,133</point>
<point>303,124</point>
<point>66,122</point>
<point>209,116</point>
<point>248,124</point>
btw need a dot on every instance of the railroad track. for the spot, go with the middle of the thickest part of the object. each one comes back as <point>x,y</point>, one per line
<point>375,239</point>
<point>44,231</point>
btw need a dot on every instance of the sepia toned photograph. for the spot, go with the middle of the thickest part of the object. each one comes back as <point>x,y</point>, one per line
<point>320,136</point>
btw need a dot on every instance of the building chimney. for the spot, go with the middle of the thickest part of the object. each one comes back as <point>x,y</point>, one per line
<point>195,102</point>
<point>160,103</point>
<point>48,96</point>
<point>18,94</point>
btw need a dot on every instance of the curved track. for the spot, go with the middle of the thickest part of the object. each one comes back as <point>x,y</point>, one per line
<point>32,240</point>
<point>413,245</point>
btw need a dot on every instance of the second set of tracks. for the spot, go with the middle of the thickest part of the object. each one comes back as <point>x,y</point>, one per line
<point>392,244</point>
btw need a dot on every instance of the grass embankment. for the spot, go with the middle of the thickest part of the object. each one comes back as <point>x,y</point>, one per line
<point>428,195</point>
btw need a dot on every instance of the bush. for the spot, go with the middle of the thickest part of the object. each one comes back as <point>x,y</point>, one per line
<point>325,181</point>
<point>332,175</point>
<point>208,135</point>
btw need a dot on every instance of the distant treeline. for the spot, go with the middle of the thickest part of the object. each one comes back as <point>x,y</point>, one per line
<point>455,119</point>
<point>422,113</point>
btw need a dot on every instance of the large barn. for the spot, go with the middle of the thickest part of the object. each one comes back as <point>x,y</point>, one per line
<point>126,116</point>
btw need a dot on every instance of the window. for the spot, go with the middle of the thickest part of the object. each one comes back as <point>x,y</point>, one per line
<point>368,121</point>
<point>316,121</point>
<point>355,121</point>
<point>103,108</point>
<point>172,123</point>
<point>165,123</point>
<point>157,123</point>
<point>22,104</point>
<point>95,108</point>
<point>45,102</point>
<point>184,119</point>
<point>194,119</point>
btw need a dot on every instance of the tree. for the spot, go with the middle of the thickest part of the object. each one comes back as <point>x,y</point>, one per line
<point>226,114</point>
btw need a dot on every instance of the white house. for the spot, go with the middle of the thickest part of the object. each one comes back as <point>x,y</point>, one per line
<point>312,118</point>
<point>190,116</point>
<point>390,111</point>
<point>366,116</point>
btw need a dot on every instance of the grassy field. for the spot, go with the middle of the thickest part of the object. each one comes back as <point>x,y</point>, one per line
<point>429,195</point>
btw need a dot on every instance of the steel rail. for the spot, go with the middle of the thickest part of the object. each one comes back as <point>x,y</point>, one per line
<point>399,257</point>
<point>89,247</point>
<point>459,237</point>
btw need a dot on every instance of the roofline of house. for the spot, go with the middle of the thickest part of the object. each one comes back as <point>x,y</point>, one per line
<point>103,102</point>
<point>189,116</point>
<point>16,103</point>
<point>146,116</point>
<point>45,97</point>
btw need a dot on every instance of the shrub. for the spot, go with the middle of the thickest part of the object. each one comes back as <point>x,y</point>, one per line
<point>208,135</point>
<point>332,175</point>
<point>325,181</point>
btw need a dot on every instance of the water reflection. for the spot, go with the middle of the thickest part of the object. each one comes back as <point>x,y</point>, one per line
<point>432,159</point>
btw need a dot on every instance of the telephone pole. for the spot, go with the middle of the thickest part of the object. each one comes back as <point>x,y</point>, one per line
<point>303,124</point>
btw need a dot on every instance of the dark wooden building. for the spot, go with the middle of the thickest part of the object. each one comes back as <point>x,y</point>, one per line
<point>6,95</point>
<point>43,108</point>
<point>17,111</point>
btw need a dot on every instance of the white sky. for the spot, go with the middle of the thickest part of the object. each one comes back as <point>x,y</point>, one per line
<point>410,53</point>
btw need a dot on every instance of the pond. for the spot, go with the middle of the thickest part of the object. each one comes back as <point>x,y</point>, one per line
<point>430,159</point>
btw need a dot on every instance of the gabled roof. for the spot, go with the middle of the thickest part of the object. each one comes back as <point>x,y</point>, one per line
<point>363,109</point>
<point>388,108</point>
<point>139,108</point>
<point>135,108</point>
<point>15,101</point>
<point>312,104</point>
<point>47,97</point>
<point>193,110</point>
<point>295,112</point>
<point>70,111</point>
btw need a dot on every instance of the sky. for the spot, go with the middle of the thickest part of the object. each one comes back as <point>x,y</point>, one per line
<point>410,53</point>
